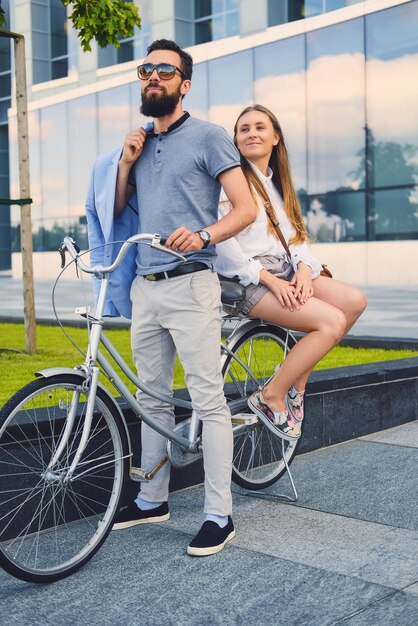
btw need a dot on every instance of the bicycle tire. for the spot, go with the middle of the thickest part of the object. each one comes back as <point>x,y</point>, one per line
<point>258,457</point>
<point>50,528</point>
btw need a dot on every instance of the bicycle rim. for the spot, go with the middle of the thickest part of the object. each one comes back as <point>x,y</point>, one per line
<point>49,527</point>
<point>259,455</point>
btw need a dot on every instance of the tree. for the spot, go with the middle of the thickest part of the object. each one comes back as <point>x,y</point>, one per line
<point>103,20</point>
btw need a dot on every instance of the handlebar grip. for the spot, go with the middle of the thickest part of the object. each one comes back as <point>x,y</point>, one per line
<point>163,240</point>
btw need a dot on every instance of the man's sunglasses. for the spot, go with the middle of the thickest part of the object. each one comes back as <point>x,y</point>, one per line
<point>165,71</point>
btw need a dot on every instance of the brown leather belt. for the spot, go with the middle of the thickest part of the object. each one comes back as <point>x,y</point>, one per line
<point>185,268</point>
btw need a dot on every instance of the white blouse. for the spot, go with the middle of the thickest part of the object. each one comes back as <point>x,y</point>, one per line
<point>235,256</point>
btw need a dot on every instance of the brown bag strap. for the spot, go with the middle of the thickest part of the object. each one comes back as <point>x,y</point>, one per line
<point>273,219</point>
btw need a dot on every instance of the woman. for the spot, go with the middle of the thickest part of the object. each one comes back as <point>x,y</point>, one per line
<point>287,291</point>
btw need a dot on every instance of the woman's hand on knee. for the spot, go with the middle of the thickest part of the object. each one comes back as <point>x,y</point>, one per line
<point>281,289</point>
<point>302,283</point>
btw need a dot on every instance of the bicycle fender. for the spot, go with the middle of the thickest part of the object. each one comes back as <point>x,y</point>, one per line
<point>243,328</point>
<point>54,371</point>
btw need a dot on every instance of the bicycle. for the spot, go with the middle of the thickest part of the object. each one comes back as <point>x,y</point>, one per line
<point>65,448</point>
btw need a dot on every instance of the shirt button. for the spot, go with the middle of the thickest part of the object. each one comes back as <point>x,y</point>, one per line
<point>158,151</point>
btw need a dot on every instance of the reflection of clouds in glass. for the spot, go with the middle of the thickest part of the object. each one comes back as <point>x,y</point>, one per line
<point>392,94</point>
<point>336,120</point>
<point>285,96</point>
<point>324,226</point>
<point>225,115</point>
<point>114,118</point>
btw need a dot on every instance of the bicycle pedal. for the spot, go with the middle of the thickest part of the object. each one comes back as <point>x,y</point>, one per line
<point>138,474</point>
<point>244,419</point>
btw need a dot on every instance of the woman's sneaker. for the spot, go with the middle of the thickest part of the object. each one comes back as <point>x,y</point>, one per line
<point>279,423</point>
<point>295,403</point>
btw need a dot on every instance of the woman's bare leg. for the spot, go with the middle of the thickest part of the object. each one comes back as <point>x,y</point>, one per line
<point>324,324</point>
<point>350,300</point>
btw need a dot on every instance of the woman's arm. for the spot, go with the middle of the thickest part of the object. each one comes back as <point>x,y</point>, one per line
<point>231,260</point>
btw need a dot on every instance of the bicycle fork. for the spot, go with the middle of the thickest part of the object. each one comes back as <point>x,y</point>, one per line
<point>91,383</point>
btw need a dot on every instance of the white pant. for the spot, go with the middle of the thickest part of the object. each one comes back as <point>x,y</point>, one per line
<point>183,314</point>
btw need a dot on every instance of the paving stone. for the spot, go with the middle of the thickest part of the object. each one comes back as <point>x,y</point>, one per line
<point>143,577</point>
<point>405,435</point>
<point>399,608</point>
<point>412,589</point>
<point>361,479</point>
<point>373,552</point>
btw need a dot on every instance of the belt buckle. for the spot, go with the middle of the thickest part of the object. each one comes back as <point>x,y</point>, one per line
<point>150,277</point>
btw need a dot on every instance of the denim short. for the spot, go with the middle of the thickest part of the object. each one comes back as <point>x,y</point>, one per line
<point>279,267</point>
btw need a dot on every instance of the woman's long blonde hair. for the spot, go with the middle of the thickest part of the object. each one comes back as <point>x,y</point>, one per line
<point>282,178</point>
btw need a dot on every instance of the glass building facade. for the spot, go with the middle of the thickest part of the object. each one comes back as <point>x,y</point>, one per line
<point>346,96</point>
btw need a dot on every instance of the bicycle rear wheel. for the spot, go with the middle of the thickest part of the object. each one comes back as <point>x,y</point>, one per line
<point>48,527</point>
<point>259,455</point>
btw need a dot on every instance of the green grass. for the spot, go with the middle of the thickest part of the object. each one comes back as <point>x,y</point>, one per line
<point>54,349</point>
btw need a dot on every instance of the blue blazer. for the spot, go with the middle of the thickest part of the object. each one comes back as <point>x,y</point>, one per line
<point>103,228</point>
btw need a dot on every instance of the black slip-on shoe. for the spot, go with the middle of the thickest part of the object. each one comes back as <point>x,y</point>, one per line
<point>132,515</point>
<point>211,538</point>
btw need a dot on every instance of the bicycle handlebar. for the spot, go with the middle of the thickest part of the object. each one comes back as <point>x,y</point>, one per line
<point>153,240</point>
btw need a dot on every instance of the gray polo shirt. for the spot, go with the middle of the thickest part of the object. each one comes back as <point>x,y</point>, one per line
<point>176,185</point>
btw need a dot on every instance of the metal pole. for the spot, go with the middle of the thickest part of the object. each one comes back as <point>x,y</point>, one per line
<point>24,183</point>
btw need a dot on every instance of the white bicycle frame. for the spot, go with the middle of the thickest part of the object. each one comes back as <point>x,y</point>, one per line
<point>184,443</point>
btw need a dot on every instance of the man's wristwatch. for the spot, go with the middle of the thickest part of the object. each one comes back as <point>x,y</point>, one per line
<point>205,237</point>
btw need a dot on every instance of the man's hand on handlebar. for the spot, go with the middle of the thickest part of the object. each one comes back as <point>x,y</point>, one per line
<point>184,240</point>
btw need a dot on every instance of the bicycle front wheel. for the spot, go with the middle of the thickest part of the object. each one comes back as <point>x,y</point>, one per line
<point>259,455</point>
<point>50,526</point>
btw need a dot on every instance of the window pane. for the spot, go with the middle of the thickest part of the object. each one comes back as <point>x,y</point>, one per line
<point>202,8</point>
<point>4,106</point>
<point>312,7</point>
<point>126,51</point>
<point>114,117</point>
<point>218,28</point>
<point>5,54</point>
<point>204,31</point>
<point>54,161</point>
<point>336,217</point>
<point>5,85</point>
<point>232,24</point>
<point>59,68</point>
<point>230,88</point>
<point>196,101</point>
<point>336,119</point>
<point>394,214</point>
<point>107,56</point>
<point>232,5</point>
<point>392,95</point>
<point>58,29</point>
<point>34,129</point>
<point>281,88</point>
<point>82,123</point>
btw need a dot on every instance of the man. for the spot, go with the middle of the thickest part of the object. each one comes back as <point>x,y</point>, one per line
<point>175,172</point>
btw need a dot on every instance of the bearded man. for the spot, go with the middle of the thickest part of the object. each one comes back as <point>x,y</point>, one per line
<point>173,173</point>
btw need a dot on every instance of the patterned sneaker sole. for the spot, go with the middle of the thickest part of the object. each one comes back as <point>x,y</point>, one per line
<point>136,522</point>
<point>211,549</point>
<point>274,429</point>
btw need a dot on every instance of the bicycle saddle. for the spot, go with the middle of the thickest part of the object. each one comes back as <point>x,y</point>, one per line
<point>232,292</point>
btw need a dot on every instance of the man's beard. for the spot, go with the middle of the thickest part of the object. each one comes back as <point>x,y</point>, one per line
<point>159,105</point>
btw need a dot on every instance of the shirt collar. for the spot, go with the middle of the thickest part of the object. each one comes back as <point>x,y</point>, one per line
<point>266,180</point>
<point>150,127</point>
